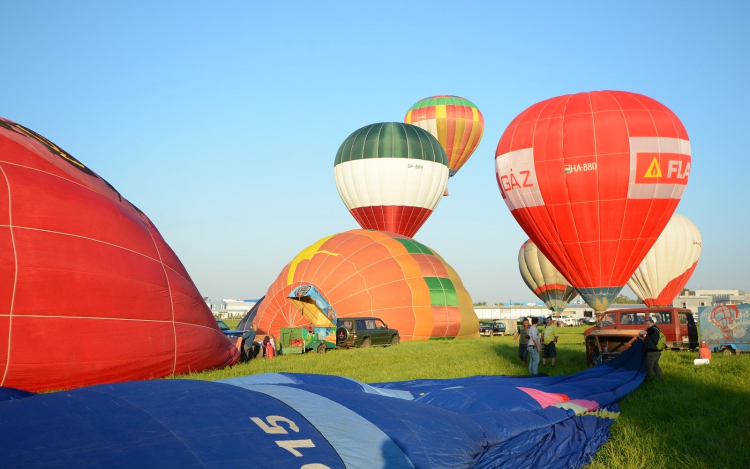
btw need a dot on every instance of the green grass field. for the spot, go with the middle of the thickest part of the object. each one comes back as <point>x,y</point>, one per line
<point>698,417</point>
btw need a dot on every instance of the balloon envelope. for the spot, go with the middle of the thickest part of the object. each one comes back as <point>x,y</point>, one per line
<point>314,421</point>
<point>455,121</point>
<point>391,176</point>
<point>89,291</point>
<point>667,267</point>
<point>543,278</point>
<point>593,178</point>
<point>374,273</point>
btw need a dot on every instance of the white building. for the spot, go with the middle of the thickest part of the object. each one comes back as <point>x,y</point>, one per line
<point>230,308</point>
<point>575,311</point>
<point>693,300</point>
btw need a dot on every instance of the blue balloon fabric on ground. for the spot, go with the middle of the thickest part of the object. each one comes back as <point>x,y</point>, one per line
<point>307,421</point>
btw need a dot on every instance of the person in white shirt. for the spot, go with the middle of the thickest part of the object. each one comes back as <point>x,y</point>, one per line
<point>534,347</point>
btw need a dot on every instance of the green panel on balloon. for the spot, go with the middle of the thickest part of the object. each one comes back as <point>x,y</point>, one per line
<point>442,291</point>
<point>413,247</point>
<point>373,138</point>
<point>443,100</point>
<point>391,140</point>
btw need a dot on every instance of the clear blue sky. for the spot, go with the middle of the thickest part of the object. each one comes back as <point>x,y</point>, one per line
<point>221,120</point>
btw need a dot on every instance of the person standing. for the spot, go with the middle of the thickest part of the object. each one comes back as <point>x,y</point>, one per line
<point>653,354</point>
<point>522,335</point>
<point>534,347</point>
<point>549,340</point>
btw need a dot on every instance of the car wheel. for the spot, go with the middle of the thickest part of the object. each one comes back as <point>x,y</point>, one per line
<point>395,340</point>
<point>366,342</point>
<point>728,351</point>
<point>321,348</point>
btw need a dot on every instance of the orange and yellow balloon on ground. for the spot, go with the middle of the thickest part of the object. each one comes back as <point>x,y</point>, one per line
<point>455,121</point>
<point>375,273</point>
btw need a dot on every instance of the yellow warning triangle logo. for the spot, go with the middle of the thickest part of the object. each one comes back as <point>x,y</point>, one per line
<point>653,171</point>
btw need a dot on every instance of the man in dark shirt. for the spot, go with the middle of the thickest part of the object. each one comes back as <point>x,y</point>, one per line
<point>522,335</point>
<point>653,354</point>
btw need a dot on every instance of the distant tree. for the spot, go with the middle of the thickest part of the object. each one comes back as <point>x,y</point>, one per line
<point>518,304</point>
<point>480,303</point>
<point>625,300</point>
<point>500,303</point>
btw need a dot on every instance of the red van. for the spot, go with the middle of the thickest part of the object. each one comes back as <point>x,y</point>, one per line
<point>617,330</point>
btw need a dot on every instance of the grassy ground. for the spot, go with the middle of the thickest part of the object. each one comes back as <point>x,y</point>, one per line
<point>698,417</point>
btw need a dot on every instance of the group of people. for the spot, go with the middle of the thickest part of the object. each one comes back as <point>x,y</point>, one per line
<point>531,341</point>
<point>252,349</point>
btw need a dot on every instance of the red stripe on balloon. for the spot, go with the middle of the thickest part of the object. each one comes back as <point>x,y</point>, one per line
<point>394,218</point>
<point>672,289</point>
<point>553,286</point>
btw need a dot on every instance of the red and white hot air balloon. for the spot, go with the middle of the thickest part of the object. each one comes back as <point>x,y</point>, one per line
<point>667,267</point>
<point>391,176</point>
<point>543,278</point>
<point>593,178</point>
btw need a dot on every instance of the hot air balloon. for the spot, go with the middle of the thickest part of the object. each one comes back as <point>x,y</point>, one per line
<point>391,176</point>
<point>593,178</point>
<point>375,273</point>
<point>669,264</point>
<point>317,421</point>
<point>543,278</point>
<point>455,121</point>
<point>90,291</point>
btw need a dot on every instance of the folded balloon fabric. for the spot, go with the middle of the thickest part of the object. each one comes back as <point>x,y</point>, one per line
<point>319,421</point>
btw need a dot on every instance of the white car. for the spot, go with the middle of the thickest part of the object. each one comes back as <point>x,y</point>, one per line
<point>566,319</point>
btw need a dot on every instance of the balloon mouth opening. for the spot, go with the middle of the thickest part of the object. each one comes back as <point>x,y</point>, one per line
<point>599,298</point>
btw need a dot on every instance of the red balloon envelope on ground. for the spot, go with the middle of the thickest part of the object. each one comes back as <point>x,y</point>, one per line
<point>89,291</point>
<point>593,178</point>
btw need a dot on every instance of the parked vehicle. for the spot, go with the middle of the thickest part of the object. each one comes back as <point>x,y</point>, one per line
<point>565,320</point>
<point>365,332</point>
<point>725,328</point>
<point>320,334</point>
<point>617,330</point>
<point>298,340</point>
<point>489,329</point>
<point>229,332</point>
<point>587,321</point>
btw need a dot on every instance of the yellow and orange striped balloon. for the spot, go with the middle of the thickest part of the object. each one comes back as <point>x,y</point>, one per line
<point>456,122</point>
